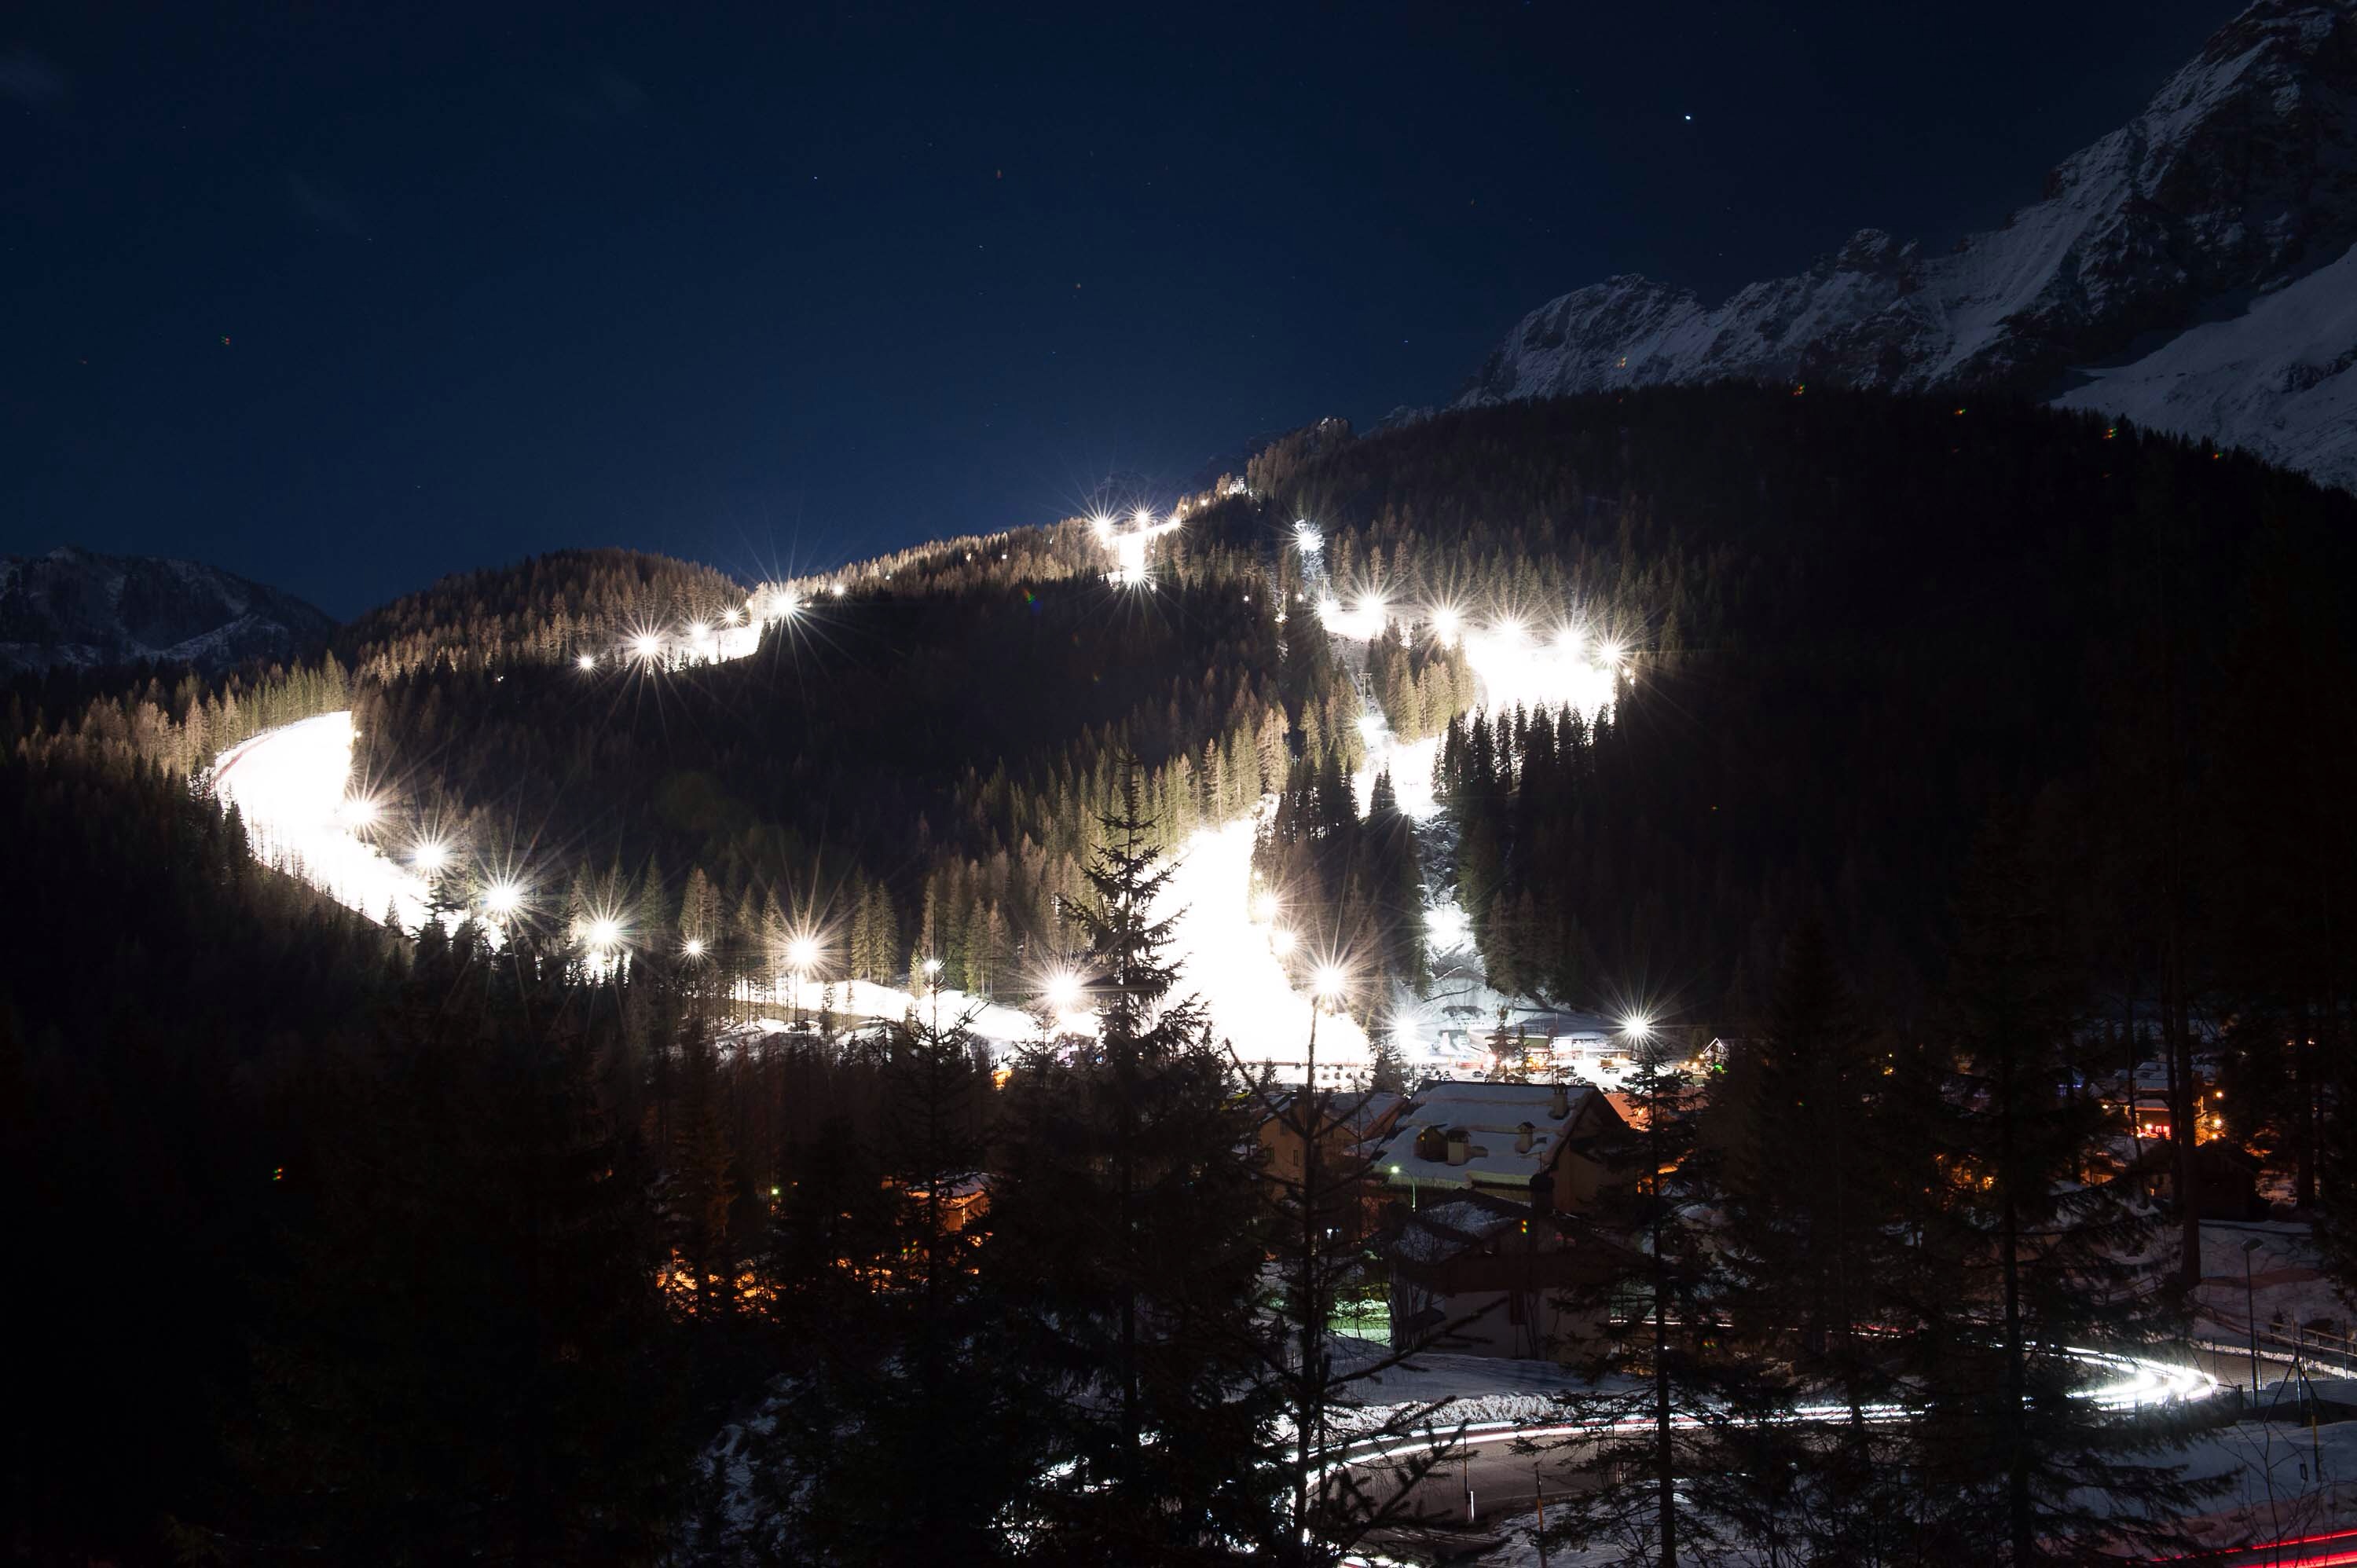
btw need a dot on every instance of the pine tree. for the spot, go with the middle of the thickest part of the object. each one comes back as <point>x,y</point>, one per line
<point>1314,1233</point>
<point>920,1373</point>
<point>699,910</point>
<point>1123,1228</point>
<point>700,1183</point>
<point>469,1353</point>
<point>1812,1263</point>
<point>2029,1257</point>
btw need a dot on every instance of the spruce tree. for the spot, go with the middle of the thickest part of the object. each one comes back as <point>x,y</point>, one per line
<point>1123,1232</point>
<point>905,1447</point>
<point>2031,1257</point>
<point>1811,1262</point>
<point>467,1354</point>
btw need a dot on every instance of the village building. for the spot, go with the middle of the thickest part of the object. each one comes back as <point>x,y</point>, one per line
<point>1349,1125</point>
<point>1475,1274</point>
<point>1525,1142</point>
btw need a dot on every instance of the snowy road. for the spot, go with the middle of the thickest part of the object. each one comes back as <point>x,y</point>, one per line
<point>1482,1474</point>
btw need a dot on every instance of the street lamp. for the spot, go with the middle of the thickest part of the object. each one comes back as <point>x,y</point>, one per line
<point>2250,1314</point>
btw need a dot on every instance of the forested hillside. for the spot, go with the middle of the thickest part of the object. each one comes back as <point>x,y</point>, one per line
<point>534,611</point>
<point>1867,630</point>
<point>917,764</point>
<point>403,1243</point>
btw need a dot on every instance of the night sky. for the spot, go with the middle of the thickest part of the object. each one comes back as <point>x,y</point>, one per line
<point>343,301</point>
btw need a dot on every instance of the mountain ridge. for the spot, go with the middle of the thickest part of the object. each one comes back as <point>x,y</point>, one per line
<point>78,608</point>
<point>2227,208</point>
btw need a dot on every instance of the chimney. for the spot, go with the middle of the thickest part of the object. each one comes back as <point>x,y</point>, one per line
<point>1562,1106</point>
<point>1460,1145</point>
<point>1523,1138</point>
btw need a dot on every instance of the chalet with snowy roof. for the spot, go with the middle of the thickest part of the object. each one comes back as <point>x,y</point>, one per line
<point>1478,1275</point>
<point>1523,1143</point>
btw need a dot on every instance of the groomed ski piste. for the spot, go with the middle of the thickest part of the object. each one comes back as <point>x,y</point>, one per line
<point>294,786</point>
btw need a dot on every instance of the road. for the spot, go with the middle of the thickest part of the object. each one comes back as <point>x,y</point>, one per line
<point>1483,1475</point>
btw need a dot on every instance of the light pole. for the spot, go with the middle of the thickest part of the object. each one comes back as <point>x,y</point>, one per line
<point>933,983</point>
<point>1327,986</point>
<point>2251,1314</point>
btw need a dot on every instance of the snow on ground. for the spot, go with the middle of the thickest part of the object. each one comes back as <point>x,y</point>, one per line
<point>292,787</point>
<point>1570,669</point>
<point>1231,964</point>
<point>2286,1283</point>
<point>849,1001</point>
<point>1436,1376</point>
<point>2285,1480</point>
<point>1408,762</point>
<point>2276,379</point>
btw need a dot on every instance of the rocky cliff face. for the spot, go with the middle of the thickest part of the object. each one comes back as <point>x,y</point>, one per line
<point>74,607</point>
<point>2194,270</point>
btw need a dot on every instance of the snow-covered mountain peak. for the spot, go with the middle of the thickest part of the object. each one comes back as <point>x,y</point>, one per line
<point>2238,180</point>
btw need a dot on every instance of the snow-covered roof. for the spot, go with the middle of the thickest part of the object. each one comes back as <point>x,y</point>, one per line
<point>1363,1109</point>
<point>1493,1116</point>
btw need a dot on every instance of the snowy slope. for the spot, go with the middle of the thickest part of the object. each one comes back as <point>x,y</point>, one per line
<point>2278,377</point>
<point>2237,185</point>
<point>74,607</point>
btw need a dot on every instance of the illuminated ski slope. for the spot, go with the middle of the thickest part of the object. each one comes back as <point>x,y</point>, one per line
<point>292,785</point>
<point>1231,961</point>
<point>1131,545</point>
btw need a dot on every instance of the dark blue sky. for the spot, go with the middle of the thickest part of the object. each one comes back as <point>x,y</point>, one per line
<point>344,298</point>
